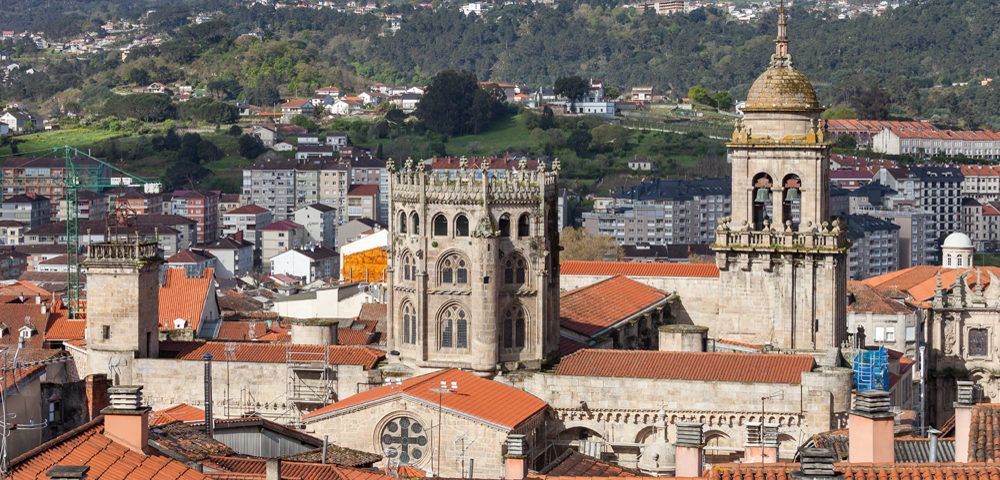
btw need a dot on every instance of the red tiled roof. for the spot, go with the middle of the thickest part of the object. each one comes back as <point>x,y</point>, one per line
<point>184,297</point>
<point>295,104</point>
<point>177,413</point>
<point>568,345</point>
<point>899,471</point>
<point>248,210</point>
<point>487,400</point>
<point>363,189</point>
<point>984,437</point>
<point>702,366</point>
<point>60,327</point>
<point>282,225</point>
<point>592,309</point>
<point>574,464</point>
<point>639,269</point>
<point>407,471</point>
<point>274,353</point>
<point>248,330</point>
<point>867,299</point>
<point>359,333</point>
<point>294,470</point>
<point>184,256</point>
<point>87,445</point>
<point>919,282</point>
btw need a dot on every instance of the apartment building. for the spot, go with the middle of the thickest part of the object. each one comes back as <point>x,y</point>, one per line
<point>280,236</point>
<point>981,182</point>
<point>247,219</point>
<point>935,189</point>
<point>320,222</point>
<point>874,246</point>
<point>663,212</point>
<point>363,202</point>
<point>31,210</point>
<point>47,175</point>
<point>934,142</point>
<point>89,205</point>
<point>368,170</point>
<point>140,203</point>
<point>203,208</point>
<point>980,222</point>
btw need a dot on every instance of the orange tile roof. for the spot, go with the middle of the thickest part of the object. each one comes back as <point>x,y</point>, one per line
<point>478,397</point>
<point>568,345</point>
<point>252,330</point>
<point>595,308</point>
<point>364,189</point>
<point>868,299</point>
<point>184,297</point>
<point>639,269</point>
<point>273,352</point>
<point>919,282</point>
<point>574,464</point>
<point>359,333</point>
<point>297,470</point>
<point>178,413</point>
<point>248,210</point>
<point>407,471</point>
<point>899,471</point>
<point>984,436</point>
<point>702,366</point>
<point>60,327</point>
<point>87,445</point>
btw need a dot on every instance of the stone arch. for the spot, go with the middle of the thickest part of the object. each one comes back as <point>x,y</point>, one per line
<point>503,225</point>
<point>760,198</point>
<point>515,269</point>
<point>523,225</point>
<point>461,225</point>
<point>439,225</point>
<point>407,266</point>
<point>791,200</point>
<point>415,223</point>
<point>719,438</point>
<point>580,432</point>
<point>514,327</point>
<point>453,268</point>
<point>401,223</point>
<point>410,322</point>
<point>648,435</point>
<point>453,323</point>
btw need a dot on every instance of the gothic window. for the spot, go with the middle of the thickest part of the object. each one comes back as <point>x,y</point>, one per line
<point>792,200</point>
<point>761,199</point>
<point>504,225</point>
<point>402,222</point>
<point>415,222</point>
<point>454,327</point>
<point>523,226</point>
<point>404,441</point>
<point>514,268</point>
<point>409,267</point>
<point>513,328</point>
<point>454,270</point>
<point>440,226</point>
<point>409,323</point>
<point>978,342</point>
<point>461,226</point>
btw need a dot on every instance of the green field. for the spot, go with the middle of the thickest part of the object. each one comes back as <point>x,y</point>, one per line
<point>38,143</point>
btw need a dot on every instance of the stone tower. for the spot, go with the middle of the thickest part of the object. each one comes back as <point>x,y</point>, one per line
<point>473,267</point>
<point>122,307</point>
<point>783,264</point>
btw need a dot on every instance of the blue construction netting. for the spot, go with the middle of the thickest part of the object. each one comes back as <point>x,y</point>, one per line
<point>871,370</point>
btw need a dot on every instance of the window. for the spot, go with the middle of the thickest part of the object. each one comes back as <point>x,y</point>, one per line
<point>409,324</point>
<point>514,268</point>
<point>890,334</point>
<point>440,226</point>
<point>505,225</point>
<point>454,327</point>
<point>978,342</point>
<point>513,328</point>
<point>402,222</point>
<point>415,222</point>
<point>409,267</point>
<point>454,270</point>
<point>523,227</point>
<point>879,334</point>
<point>461,226</point>
<point>106,332</point>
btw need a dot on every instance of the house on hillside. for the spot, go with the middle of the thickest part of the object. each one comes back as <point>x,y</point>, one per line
<point>292,108</point>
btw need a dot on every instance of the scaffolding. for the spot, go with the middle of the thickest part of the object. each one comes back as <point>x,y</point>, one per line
<point>871,370</point>
<point>310,379</point>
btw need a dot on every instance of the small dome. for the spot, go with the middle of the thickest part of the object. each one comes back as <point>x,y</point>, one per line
<point>781,88</point>
<point>957,240</point>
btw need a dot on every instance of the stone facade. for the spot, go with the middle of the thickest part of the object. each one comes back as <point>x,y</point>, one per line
<point>473,269</point>
<point>122,308</point>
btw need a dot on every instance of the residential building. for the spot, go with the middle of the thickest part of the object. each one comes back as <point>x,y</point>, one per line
<point>932,188</point>
<point>320,222</point>
<point>305,152</point>
<point>47,175</point>
<point>292,108</point>
<point>32,210</point>
<point>355,229</point>
<point>368,170</point>
<point>885,320</point>
<point>925,143</point>
<point>981,182</point>
<point>278,237</point>
<point>176,232</point>
<point>642,94</point>
<point>138,203</point>
<point>12,232</point>
<point>663,212</point>
<point>850,179</point>
<point>664,7</point>
<point>271,185</point>
<point>337,140</point>
<point>981,222</point>
<point>593,102</point>
<point>90,205</point>
<point>267,134</point>
<point>918,237</point>
<point>187,301</point>
<point>247,219</point>
<point>192,260</point>
<point>334,180</point>
<point>874,246</point>
<point>203,208</point>
<point>863,130</point>
<point>12,263</point>
<point>19,121</point>
<point>309,263</point>
<point>362,202</point>
<point>234,256</point>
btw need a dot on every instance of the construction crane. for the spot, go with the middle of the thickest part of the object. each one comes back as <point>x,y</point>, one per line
<point>71,188</point>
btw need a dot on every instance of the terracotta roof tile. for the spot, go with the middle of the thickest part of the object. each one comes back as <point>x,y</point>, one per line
<point>299,470</point>
<point>282,225</point>
<point>178,413</point>
<point>187,440</point>
<point>703,366</point>
<point>984,434</point>
<point>899,471</point>
<point>568,345</point>
<point>183,297</point>
<point>639,269</point>
<point>359,333</point>
<point>336,455</point>
<point>592,309</point>
<point>487,400</point>
<point>248,210</point>
<point>575,464</point>
<point>87,445</point>
<point>919,282</point>
<point>273,353</point>
<point>248,330</point>
<point>866,299</point>
<point>363,189</point>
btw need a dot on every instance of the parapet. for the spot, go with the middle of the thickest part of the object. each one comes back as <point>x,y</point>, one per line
<point>828,238</point>
<point>122,253</point>
<point>470,187</point>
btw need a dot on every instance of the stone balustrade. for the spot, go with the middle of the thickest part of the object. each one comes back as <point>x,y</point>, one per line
<point>827,237</point>
<point>121,252</point>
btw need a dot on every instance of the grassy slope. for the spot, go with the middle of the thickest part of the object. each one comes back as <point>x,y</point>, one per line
<point>42,141</point>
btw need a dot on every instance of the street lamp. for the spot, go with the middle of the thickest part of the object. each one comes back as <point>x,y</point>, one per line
<point>444,388</point>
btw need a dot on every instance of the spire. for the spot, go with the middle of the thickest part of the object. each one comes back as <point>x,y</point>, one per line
<point>781,41</point>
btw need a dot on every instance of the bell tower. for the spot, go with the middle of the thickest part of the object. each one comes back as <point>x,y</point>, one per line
<point>782,261</point>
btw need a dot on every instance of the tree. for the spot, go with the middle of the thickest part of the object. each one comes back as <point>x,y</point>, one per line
<point>446,106</point>
<point>138,76</point>
<point>304,122</point>
<point>723,100</point>
<point>148,107</point>
<point>250,146</point>
<point>573,88</point>
<point>577,244</point>
<point>612,92</point>
<point>548,119</point>
<point>699,94</point>
<point>235,131</point>
<point>872,103</point>
<point>608,137</point>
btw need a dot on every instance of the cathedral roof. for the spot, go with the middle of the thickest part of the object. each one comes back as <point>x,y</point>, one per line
<point>781,88</point>
<point>595,308</point>
<point>638,269</point>
<point>696,366</point>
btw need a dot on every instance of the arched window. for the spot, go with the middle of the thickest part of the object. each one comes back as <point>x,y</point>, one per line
<point>514,270</point>
<point>949,259</point>
<point>440,226</point>
<point>761,199</point>
<point>409,323</point>
<point>409,267</point>
<point>513,328</point>
<point>461,226</point>
<point>505,225</point>
<point>402,222</point>
<point>415,222</point>
<point>454,327</point>
<point>791,201</point>
<point>454,270</point>
<point>523,226</point>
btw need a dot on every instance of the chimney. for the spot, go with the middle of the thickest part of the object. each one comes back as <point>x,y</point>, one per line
<point>67,472</point>
<point>126,420</point>
<point>870,429</point>
<point>761,445</point>
<point>96,386</point>
<point>817,464</point>
<point>209,422</point>
<point>38,298</point>
<point>690,442</point>
<point>963,421</point>
<point>515,462</point>
<point>272,469</point>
